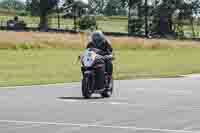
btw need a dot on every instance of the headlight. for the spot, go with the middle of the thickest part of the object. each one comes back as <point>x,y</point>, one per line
<point>88,58</point>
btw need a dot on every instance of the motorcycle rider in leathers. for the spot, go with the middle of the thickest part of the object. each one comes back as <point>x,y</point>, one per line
<point>99,41</point>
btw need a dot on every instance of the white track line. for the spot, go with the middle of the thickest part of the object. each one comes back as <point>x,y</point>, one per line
<point>103,103</point>
<point>25,126</point>
<point>99,126</point>
<point>191,76</point>
<point>64,130</point>
<point>126,104</point>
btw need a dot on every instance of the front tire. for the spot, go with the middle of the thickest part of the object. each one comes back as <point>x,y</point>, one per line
<point>86,88</point>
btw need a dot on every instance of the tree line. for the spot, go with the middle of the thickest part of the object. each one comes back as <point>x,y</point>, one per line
<point>144,16</point>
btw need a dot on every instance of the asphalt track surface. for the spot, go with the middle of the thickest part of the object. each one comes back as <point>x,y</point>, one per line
<point>138,106</point>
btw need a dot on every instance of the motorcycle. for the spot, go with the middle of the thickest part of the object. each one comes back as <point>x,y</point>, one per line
<point>94,80</point>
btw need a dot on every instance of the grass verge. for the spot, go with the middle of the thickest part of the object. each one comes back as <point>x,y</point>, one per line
<point>44,66</point>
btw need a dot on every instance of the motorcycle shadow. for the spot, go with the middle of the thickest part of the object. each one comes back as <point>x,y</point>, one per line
<point>78,98</point>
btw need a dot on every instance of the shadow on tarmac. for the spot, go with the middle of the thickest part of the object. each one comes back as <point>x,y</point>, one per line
<point>77,98</point>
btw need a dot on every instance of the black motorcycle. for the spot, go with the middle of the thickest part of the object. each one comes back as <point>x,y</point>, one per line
<point>95,79</point>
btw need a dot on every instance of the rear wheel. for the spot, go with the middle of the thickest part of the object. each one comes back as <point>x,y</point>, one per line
<point>108,92</point>
<point>86,86</point>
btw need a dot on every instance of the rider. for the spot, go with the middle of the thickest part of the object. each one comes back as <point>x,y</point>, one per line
<point>99,41</point>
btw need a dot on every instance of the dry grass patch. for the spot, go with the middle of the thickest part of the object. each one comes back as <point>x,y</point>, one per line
<point>39,40</point>
<point>141,43</point>
<point>27,40</point>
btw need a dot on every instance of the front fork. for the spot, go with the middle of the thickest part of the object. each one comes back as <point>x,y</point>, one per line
<point>97,78</point>
<point>90,76</point>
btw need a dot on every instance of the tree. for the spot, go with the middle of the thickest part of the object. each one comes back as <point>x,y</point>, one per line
<point>28,8</point>
<point>135,17</point>
<point>114,7</point>
<point>12,5</point>
<point>97,6</point>
<point>42,8</point>
<point>75,9</point>
<point>192,11</point>
<point>32,7</point>
<point>157,17</point>
<point>87,22</point>
<point>163,15</point>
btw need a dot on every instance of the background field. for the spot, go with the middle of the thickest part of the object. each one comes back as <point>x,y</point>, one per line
<point>39,58</point>
<point>106,24</point>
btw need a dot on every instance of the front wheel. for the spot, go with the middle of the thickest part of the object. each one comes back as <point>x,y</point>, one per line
<point>86,88</point>
<point>109,91</point>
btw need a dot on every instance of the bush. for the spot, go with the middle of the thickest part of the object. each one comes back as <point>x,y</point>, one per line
<point>22,13</point>
<point>137,26</point>
<point>87,22</point>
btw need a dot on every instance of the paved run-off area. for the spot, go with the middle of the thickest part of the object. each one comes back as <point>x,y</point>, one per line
<point>138,106</point>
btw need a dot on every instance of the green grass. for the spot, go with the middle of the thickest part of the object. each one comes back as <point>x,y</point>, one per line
<point>188,31</point>
<point>37,67</point>
<point>157,63</point>
<point>28,67</point>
